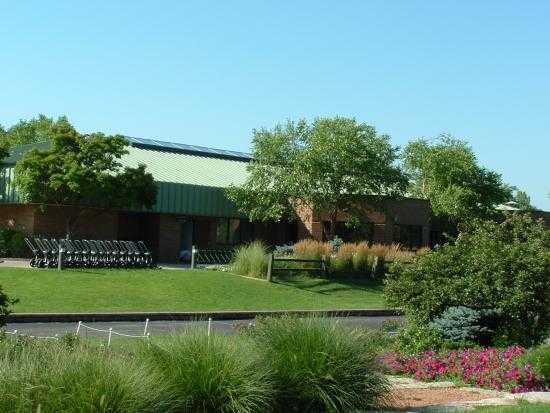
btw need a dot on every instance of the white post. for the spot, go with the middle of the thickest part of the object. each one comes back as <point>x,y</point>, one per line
<point>209,325</point>
<point>110,334</point>
<point>60,259</point>
<point>78,327</point>
<point>15,333</point>
<point>146,325</point>
<point>193,252</point>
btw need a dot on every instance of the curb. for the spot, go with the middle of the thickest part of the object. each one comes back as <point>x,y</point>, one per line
<point>190,316</point>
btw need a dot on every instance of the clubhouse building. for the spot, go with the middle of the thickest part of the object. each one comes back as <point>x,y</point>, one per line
<point>192,208</point>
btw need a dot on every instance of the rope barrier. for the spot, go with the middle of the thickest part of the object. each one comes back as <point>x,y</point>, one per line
<point>112,332</point>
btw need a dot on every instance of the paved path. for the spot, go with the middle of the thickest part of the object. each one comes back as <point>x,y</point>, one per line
<point>167,327</point>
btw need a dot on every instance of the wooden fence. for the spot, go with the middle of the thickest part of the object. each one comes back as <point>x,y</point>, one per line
<point>271,265</point>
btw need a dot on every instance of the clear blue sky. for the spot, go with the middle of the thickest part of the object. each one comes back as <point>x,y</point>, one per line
<point>209,72</point>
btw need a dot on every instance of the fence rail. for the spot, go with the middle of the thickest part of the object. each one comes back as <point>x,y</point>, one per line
<point>322,265</point>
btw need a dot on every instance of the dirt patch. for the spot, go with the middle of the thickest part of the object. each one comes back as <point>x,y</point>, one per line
<point>413,398</point>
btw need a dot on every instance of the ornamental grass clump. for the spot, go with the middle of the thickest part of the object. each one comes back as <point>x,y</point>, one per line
<point>318,366</point>
<point>251,260</point>
<point>49,377</point>
<point>211,373</point>
<point>363,259</point>
<point>311,249</point>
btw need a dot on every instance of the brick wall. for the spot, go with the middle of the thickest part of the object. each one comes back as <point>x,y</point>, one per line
<point>403,212</point>
<point>91,223</point>
<point>17,216</point>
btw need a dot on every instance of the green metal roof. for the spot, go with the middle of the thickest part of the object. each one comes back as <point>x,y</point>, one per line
<point>186,168</point>
<point>189,182</point>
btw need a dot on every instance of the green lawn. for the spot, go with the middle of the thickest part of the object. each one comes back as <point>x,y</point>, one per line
<point>105,290</point>
<point>521,408</point>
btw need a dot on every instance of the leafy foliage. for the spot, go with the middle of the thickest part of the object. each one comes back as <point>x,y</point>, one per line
<point>327,165</point>
<point>5,304</point>
<point>83,170</point>
<point>539,358</point>
<point>34,130</point>
<point>12,243</point>
<point>447,173</point>
<point>501,266</point>
<point>319,367</point>
<point>418,337</point>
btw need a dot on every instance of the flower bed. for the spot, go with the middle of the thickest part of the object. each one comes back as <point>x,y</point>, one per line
<point>488,367</point>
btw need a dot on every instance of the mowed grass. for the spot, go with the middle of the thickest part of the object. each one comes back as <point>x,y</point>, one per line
<point>119,290</point>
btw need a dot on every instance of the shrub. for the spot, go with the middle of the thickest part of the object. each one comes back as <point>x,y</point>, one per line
<point>211,373</point>
<point>539,359</point>
<point>311,249</point>
<point>416,338</point>
<point>487,367</point>
<point>463,325</point>
<point>251,260</point>
<point>48,377</point>
<point>503,266</point>
<point>12,243</point>
<point>5,303</point>
<point>318,366</point>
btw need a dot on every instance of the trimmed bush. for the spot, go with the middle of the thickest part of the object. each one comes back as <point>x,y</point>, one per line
<point>318,366</point>
<point>211,374</point>
<point>251,260</point>
<point>502,266</point>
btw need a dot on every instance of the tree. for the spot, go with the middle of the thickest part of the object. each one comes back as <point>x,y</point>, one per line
<point>448,175</point>
<point>83,171</point>
<point>329,165</point>
<point>523,201</point>
<point>35,130</point>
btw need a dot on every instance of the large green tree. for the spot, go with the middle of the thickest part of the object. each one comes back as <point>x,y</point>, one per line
<point>83,171</point>
<point>34,130</point>
<point>447,173</point>
<point>330,165</point>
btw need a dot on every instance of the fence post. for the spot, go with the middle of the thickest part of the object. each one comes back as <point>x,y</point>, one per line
<point>146,325</point>
<point>209,325</point>
<point>269,267</point>
<point>193,252</point>
<point>78,327</point>
<point>60,258</point>
<point>324,264</point>
<point>110,335</point>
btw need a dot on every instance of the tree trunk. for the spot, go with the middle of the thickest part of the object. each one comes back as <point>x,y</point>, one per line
<point>333,216</point>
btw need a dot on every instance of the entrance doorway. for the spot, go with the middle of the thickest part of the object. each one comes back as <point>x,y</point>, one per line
<point>186,242</point>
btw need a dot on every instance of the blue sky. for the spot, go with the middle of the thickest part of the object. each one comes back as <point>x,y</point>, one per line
<point>209,72</point>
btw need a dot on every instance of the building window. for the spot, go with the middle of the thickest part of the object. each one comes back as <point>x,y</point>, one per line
<point>222,231</point>
<point>228,231</point>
